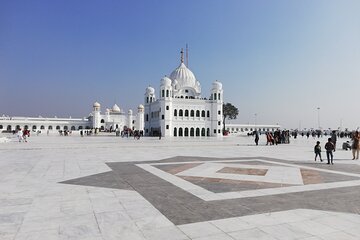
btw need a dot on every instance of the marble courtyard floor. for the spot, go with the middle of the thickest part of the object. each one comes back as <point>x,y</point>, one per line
<point>106,187</point>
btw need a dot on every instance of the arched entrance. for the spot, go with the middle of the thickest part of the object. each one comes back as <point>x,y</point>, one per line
<point>198,132</point>
<point>186,134</point>
<point>191,132</point>
<point>180,132</point>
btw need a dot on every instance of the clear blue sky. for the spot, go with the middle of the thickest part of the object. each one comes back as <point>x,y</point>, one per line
<point>279,59</point>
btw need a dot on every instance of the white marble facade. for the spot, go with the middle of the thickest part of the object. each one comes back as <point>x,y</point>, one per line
<point>112,119</point>
<point>180,110</point>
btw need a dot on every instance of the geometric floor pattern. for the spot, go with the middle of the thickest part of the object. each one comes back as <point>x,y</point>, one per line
<point>197,189</point>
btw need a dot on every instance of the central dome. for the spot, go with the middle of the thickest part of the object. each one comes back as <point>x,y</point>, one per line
<point>115,108</point>
<point>183,76</point>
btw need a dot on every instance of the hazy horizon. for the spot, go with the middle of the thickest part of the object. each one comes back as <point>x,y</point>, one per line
<point>280,60</point>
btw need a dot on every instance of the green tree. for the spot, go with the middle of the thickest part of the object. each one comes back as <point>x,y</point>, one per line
<point>229,112</point>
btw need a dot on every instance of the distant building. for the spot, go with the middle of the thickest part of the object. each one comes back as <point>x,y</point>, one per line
<point>244,129</point>
<point>112,119</point>
<point>180,110</point>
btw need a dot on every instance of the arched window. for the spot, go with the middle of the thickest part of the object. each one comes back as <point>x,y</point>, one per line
<point>26,127</point>
<point>208,113</point>
<point>1,127</point>
<point>203,113</point>
<point>219,96</point>
<point>208,132</point>
<point>102,128</point>
<point>73,128</point>
<point>191,132</point>
<point>50,127</point>
<point>175,112</point>
<point>102,121</point>
<point>80,127</point>
<point>197,113</point>
<point>214,96</point>
<point>163,93</point>
<point>175,132</point>
<point>191,113</point>
<point>180,132</point>
<point>147,99</point>
<point>42,127</point>
<point>34,127</point>
<point>17,127</point>
<point>147,117</point>
<point>65,127</point>
<point>57,127</point>
<point>180,114</point>
<point>167,93</point>
<point>203,132</point>
<point>198,132</point>
<point>8,128</point>
<point>186,113</point>
<point>186,132</point>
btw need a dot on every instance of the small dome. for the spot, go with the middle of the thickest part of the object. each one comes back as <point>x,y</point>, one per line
<point>96,104</point>
<point>184,76</point>
<point>165,81</point>
<point>174,83</point>
<point>115,108</point>
<point>217,85</point>
<point>107,110</point>
<point>141,106</point>
<point>150,90</point>
<point>130,112</point>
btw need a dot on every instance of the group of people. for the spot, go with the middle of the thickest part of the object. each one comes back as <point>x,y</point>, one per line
<point>330,147</point>
<point>278,137</point>
<point>23,135</point>
<point>127,132</point>
<point>64,132</point>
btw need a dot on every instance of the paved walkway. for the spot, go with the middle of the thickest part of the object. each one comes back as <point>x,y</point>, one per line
<point>112,188</point>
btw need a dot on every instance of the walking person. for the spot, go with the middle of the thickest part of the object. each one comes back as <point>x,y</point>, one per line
<point>317,151</point>
<point>19,135</point>
<point>333,139</point>
<point>355,145</point>
<point>25,134</point>
<point>329,146</point>
<point>256,137</point>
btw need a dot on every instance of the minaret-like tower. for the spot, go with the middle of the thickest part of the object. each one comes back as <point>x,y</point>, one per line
<point>130,120</point>
<point>96,115</point>
<point>150,95</point>
<point>166,106</point>
<point>140,118</point>
<point>216,109</point>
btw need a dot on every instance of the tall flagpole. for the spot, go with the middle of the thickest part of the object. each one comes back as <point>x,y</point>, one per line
<point>187,55</point>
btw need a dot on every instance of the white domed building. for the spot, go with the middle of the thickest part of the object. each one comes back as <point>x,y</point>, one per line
<point>115,118</point>
<point>180,110</point>
<point>112,119</point>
